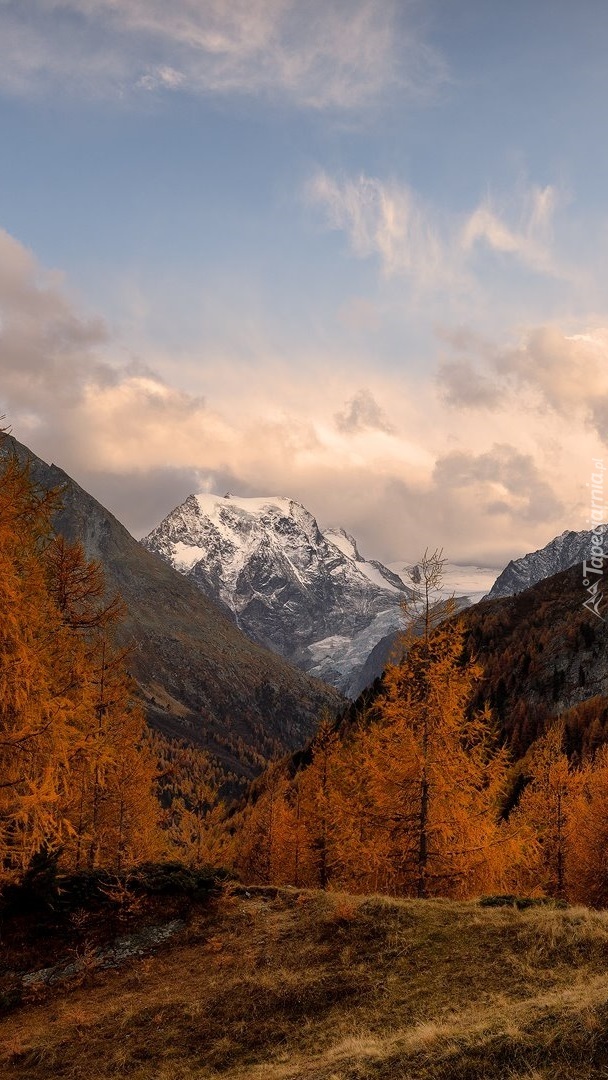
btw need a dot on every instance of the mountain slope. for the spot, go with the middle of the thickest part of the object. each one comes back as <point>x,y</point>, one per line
<point>544,655</point>
<point>559,554</point>
<point>309,596</point>
<point>199,676</point>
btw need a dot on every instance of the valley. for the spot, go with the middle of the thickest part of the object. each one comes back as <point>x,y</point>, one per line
<point>303,540</point>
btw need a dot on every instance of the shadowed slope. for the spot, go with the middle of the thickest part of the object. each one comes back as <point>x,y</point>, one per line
<point>200,677</point>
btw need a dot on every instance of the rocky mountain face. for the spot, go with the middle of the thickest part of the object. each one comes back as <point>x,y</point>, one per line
<point>199,676</point>
<point>560,554</point>
<point>308,595</point>
<point>467,585</point>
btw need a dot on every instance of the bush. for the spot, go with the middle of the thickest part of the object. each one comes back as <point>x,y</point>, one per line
<point>43,891</point>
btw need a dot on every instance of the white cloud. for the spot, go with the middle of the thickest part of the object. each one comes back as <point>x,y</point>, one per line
<point>388,220</point>
<point>322,54</point>
<point>527,239</point>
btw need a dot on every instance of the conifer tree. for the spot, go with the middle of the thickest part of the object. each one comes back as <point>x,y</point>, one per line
<point>260,845</point>
<point>546,812</point>
<point>113,811</point>
<point>320,789</point>
<point>435,773</point>
<point>36,713</point>
<point>75,776</point>
<point>78,588</point>
<point>586,856</point>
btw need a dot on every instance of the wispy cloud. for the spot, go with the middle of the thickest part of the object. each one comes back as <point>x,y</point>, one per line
<point>412,238</point>
<point>323,54</point>
<point>385,220</point>
<point>527,239</point>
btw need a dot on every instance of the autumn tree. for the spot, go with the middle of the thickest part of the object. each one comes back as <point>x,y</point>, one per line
<point>36,710</point>
<point>75,776</point>
<point>319,791</point>
<point>545,814</point>
<point>78,588</point>
<point>586,855</point>
<point>111,806</point>
<point>435,772</point>
<point>189,785</point>
<point>264,831</point>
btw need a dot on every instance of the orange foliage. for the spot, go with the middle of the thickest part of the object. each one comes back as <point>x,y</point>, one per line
<point>74,775</point>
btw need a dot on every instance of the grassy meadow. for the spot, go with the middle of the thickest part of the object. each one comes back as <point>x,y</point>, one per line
<point>270,984</point>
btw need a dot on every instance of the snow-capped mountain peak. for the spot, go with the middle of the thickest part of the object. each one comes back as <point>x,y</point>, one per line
<point>374,571</point>
<point>310,596</point>
<point>559,554</point>
<point>344,542</point>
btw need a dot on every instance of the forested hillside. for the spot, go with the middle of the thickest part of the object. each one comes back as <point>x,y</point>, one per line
<point>199,678</point>
<point>427,788</point>
<point>543,655</point>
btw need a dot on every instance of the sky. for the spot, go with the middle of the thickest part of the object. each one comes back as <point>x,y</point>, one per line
<point>351,252</point>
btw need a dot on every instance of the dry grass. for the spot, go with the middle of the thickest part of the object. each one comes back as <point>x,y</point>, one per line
<point>307,986</point>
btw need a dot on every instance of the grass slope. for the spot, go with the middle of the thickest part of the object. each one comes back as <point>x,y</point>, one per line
<point>281,984</point>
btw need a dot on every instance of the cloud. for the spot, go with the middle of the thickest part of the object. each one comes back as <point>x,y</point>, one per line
<point>392,464</point>
<point>411,238</point>
<point>362,412</point>
<point>385,220</point>
<point>526,240</point>
<point>338,54</point>
<point>548,371</point>
<point>43,338</point>
<point>61,383</point>
<point>141,496</point>
<point>503,480</point>
<point>568,373</point>
<point>464,386</point>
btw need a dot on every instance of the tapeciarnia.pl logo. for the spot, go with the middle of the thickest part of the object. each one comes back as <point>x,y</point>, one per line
<point>593,565</point>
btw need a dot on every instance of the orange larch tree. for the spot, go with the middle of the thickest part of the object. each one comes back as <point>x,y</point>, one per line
<point>36,709</point>
<point>587,848</point>
<point>545,815</point>
<point>435,772</point>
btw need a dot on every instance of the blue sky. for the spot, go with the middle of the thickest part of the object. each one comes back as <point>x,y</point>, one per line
<point>349,252</point>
